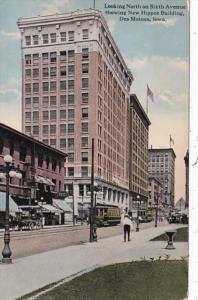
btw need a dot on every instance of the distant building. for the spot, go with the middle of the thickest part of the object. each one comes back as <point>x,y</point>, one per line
<point>41,166</point>
<point>186,159</point>
<point>162,167</point>
<point>180,204</point>
<point>138,153</point>
<point>75,87</point>
<point>155,190</point>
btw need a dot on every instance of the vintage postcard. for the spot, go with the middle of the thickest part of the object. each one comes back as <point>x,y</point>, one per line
<point>94,153</point>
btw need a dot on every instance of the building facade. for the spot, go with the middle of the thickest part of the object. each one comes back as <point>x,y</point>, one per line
<point>138,149</point>
<point>162,167</point>
<point>155,190</point>
<point>41,166</point>
<point>75,87</point>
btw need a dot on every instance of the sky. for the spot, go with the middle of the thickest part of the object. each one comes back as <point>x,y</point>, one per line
<point>157,53</point>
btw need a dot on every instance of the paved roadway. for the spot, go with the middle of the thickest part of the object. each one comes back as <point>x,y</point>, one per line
<point>26,243</point>
<point>29,273</point>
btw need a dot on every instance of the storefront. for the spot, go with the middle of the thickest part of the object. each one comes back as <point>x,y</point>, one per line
<point>50,214</point>
<point>67,215</point>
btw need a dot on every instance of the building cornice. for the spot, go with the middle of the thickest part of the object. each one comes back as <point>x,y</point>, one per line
<point>79,15</point>
<point>134,102</point>
<point>30,139</point>
<point>163,150</point>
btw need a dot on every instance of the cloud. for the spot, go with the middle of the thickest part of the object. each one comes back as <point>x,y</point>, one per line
<point>10,114</point>
<point>53,6</point>
<point>10,91</point>
<point>167,23</point>
<point>112,24</point>
<point>168,77</point>
<point>10,103</point>
<point>8,36</point>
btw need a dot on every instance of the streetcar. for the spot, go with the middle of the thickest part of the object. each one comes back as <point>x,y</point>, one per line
<point>107,215</point>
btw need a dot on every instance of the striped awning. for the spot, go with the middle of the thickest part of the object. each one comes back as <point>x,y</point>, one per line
<point>12,205</point>
<point>44,180</point>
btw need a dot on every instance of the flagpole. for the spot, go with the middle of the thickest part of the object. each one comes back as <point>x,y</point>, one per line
<point>147,100</point>
<point>94,4</point>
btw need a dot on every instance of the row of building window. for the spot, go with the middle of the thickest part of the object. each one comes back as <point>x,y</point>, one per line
<point>53,37</point>
<point>52,100</point>
<point>70,143</point>
<point>23,151</point>
<point>52,71</point>
<point>51,129</point>
<point>52,86</point>
<point>84,171</point>
<point>158,165</point>
<point>162,159</point>
<point>52,115</point>
<point>52,56</point>
<point>114,60</point>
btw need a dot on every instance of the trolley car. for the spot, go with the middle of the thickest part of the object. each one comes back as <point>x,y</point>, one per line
<point>107,215</point>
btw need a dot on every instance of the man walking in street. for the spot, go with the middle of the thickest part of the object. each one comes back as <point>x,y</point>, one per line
<point>127,227</point>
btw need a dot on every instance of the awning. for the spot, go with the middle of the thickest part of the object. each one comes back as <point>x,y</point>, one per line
<point>44,180</point>
<point>62,205</point>
<point>49,182</point>
<point>50,208</point>
<point>12,205</point>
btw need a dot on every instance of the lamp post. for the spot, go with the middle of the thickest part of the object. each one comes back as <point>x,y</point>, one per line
<point>156,213</point>
<point>93,233</point>
<point>82,209</point>
<point>138,208</point>
<point>10,171</point>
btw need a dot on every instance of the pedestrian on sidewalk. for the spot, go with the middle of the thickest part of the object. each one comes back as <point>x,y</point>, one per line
<point>127,227</point>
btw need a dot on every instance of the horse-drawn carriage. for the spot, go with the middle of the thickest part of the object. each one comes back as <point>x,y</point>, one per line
<point>27,219</point>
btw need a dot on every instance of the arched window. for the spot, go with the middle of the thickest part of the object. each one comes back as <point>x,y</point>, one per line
<point>40,159</point>
<point>54,164</point>
<point>47,162</point>
<point>23,151</point>
<point>11,148</point>
<point>1,145</point>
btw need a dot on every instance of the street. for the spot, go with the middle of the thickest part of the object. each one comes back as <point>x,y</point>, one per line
<point>26,243</point>
<point>35,271</point>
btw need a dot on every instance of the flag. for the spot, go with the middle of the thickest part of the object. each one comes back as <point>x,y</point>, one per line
<point>150,93</point>
<point>171,140</point>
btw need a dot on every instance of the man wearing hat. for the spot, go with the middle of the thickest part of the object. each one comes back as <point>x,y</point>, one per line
<point>127,227</point>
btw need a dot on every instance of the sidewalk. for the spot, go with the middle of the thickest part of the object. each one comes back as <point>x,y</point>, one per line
<point>30,273</point>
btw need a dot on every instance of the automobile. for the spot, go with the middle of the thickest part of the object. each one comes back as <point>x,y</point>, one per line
<point>145,219</point>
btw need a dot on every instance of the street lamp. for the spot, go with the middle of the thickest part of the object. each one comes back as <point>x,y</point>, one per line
<point>156,212</point>
<point>138,208</point>
<point>82,210</point>
<point>93,227</point>
<point>10,171</point>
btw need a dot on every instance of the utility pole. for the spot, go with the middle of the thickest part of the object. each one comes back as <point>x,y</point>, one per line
<point>156,211</point>
<point>73,207</point>
<point>92,191</point>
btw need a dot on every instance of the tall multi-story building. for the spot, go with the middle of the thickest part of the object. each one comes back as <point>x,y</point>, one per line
<point>138,149</point>
<point>162,167</point>
<point>75,87</point>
